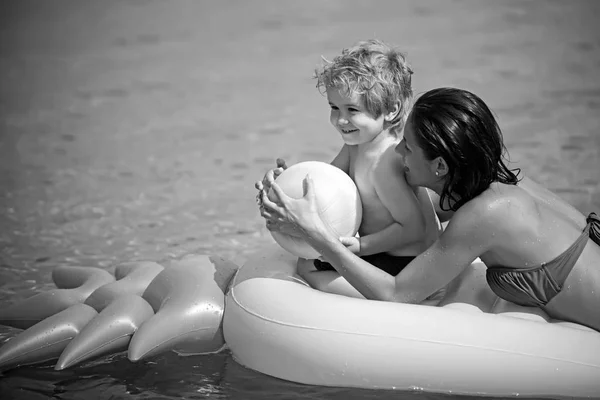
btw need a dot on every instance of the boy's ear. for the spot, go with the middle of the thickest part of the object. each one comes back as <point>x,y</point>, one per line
<point>393,113</point>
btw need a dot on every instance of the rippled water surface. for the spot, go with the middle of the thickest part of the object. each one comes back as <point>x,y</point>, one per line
<point>135,130</point>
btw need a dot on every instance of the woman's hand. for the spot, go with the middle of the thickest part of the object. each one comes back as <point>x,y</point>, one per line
<point>272,174</point>
<point>273,221</point>
<point>297,217</point>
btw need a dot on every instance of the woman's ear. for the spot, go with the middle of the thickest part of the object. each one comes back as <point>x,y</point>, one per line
<point>440,167</point>
<point>392,113</point>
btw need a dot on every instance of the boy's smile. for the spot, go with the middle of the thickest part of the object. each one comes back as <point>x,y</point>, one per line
<point>351,118</point>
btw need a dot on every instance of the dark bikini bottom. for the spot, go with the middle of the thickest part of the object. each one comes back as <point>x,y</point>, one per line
<point>385,262</point>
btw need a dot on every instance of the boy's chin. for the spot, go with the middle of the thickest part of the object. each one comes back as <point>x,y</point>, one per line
<point>351,141</point>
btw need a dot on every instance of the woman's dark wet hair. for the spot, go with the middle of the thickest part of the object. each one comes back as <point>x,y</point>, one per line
<point>459,127</point>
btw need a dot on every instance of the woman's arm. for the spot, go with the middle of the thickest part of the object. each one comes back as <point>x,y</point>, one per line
<point>455,250</point>
<point>325,281</point>
<point>466,238</point>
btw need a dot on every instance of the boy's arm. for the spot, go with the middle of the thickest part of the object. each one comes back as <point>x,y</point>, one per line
<point>342,160</point>
<point>400,200</point>
<point>391,237</point>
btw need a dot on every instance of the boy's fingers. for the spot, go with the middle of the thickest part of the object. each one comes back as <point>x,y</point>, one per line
<point>281,163</point>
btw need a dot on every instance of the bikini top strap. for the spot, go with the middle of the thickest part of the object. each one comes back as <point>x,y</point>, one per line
<point>593,221</point>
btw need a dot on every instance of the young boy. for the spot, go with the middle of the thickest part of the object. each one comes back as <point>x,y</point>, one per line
<point>369,91</point>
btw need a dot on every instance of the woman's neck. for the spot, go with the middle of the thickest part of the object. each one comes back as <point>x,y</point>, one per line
<point>449,200</point>
<point>437,187</point>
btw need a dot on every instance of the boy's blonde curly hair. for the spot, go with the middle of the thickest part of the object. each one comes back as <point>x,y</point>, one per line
<point>375,71</point>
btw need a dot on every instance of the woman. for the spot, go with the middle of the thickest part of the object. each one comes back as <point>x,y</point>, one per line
<point>536,246</point>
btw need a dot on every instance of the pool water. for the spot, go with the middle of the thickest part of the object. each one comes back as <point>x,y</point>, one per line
<point>135,130</point>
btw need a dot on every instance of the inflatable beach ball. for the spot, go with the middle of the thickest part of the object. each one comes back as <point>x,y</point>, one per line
<point>337,198</point>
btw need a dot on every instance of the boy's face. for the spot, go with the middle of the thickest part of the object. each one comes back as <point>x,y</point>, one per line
<point>352,120</point>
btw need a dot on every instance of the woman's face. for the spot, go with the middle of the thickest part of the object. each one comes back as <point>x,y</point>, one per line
<point>419,170</point>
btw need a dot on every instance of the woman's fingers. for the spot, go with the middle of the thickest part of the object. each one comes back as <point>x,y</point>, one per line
<point>308,187</point>
<point>271,225</point>
<point>258,186</point>
<point>272,174</point>
<point>266,214</point>
<point>268,175</point>
<point>269,205</point>
<point>282,198</point>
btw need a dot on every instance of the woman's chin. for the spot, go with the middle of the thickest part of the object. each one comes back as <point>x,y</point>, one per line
<point>411,180</point>
<point>407,176</point>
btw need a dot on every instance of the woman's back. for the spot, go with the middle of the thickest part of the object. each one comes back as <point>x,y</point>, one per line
<point>538,228</point>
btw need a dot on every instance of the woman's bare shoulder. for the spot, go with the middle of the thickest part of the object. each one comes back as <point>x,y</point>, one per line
<point>500,206</point>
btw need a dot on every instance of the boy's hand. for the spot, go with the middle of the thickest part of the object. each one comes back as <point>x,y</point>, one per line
<point>352,243</point>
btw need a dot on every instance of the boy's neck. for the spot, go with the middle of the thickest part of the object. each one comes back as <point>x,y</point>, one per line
<point>381,142</point>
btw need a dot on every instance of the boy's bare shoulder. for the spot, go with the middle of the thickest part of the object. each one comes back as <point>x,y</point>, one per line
<point>390,181</point>
<point>390,170</point>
